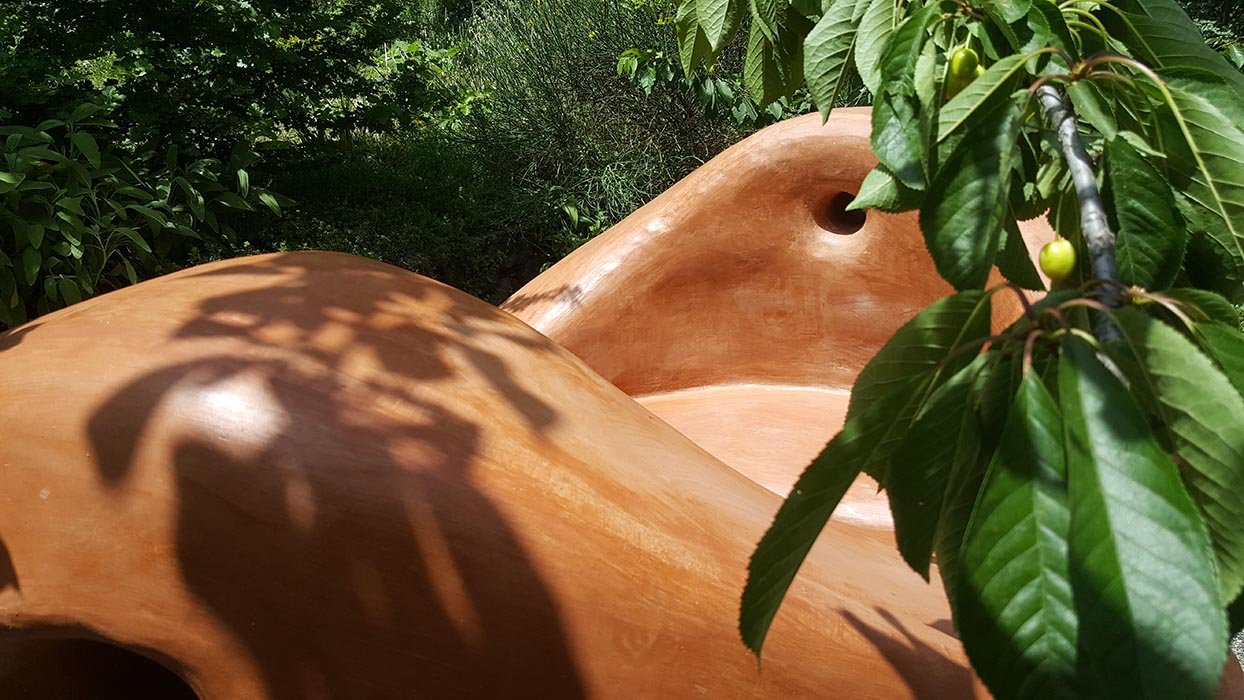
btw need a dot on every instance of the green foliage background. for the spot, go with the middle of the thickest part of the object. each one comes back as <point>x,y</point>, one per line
<point>475,141</point>
<point>544,147</point>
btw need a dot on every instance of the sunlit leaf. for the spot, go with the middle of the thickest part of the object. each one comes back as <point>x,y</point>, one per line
<point>921,347</point>
<point>876,26</point>
<point>1226,345</point>
<point>768,17</point>
<point>1092,106</point>
<point>962,215</point>
<point>1201,305</point>
<point>1167,37</point>
<point>881,190</point>
<point>1204,415</point>
<point>996,85</point>
<point>1209,115</point>
<point>1142,567</point>
<point>1011,10</point>
<point>244,179</point>
<point>827,54</point>
<point>1016,615</point>
<point>720,19</point>
<point>772,71</point>
<point>800,520</point>
<point>941,439</point>
<point>269,200</point>
<point>898,144</point>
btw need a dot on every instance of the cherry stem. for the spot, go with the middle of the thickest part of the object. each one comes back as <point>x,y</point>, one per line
<point>1087,337</point>
<point>1029,343</point>
<point>1172,305</point>
<point>1086,304</point>
<point>977,344</point>
<point>1058,316</point>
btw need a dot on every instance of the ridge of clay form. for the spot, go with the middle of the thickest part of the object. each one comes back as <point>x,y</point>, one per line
<point>312,476</point>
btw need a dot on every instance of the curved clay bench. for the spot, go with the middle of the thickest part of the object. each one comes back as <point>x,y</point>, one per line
<point>317,476</point>
<point>740,305</point>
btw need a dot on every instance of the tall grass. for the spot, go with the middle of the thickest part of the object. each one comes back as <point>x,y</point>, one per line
<point>559,116</point>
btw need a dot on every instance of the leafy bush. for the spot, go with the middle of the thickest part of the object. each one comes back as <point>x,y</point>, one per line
<point>191,89</point>
<point>87,219</point>
<point>209,73</point>
<point>424,201</point>
<point>718,95</point>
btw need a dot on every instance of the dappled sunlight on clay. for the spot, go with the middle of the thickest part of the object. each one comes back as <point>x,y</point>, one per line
<point>386,485</point>
<point>262,408</point>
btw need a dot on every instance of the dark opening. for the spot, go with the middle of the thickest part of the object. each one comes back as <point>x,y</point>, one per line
<point>838,220</point>
<point>74,669</point>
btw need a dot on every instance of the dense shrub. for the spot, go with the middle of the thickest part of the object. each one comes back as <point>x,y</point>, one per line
<point>441,17</point>
<point>191,88</point>
<point>208,73</point>
<point>86,219</point>
<point>423,201</point>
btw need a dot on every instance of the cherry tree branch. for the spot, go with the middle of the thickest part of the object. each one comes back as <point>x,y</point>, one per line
<point>1093,222</point>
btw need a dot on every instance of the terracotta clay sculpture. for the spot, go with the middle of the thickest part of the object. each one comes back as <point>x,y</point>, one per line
<point>312,476</point>
<point>749,295</point>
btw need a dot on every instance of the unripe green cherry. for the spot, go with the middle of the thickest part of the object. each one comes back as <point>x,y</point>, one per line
<point>1058,259</point>
<point>963,69</point>
<point>963,64</point>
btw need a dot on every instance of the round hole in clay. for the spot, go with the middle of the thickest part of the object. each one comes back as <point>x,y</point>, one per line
<point>54,668</point>
<point>838,220</point>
